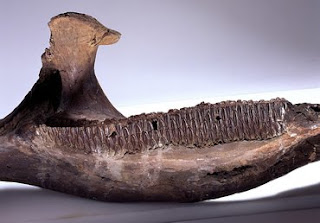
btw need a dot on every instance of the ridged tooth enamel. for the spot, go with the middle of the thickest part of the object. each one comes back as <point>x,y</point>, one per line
<point>203,125</point>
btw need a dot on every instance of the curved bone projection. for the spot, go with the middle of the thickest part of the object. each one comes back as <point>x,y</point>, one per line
<point>66,135</point>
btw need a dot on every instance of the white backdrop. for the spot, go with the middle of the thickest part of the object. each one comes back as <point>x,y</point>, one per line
<point>173,49</point>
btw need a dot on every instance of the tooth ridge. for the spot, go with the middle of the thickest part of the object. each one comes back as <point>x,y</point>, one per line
<point>199,126</point>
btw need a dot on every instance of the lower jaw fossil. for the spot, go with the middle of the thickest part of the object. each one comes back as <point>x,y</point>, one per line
<point>67,136</point>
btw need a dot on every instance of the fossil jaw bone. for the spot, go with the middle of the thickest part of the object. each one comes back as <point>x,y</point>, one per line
<point>67,136</point>
<point>73,46</point>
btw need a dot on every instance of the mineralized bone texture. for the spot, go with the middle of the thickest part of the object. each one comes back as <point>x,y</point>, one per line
<point>66,135</point>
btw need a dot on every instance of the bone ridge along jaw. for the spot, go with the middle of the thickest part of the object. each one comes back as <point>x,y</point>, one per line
<point>73,46</point>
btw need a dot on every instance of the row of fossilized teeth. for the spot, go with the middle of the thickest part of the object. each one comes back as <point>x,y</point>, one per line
<point>199,126</point>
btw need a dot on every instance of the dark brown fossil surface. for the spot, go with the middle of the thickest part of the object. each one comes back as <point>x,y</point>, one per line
<point>66,135</point>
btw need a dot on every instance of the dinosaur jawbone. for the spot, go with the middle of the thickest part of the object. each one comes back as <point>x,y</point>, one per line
<point>67,136</point>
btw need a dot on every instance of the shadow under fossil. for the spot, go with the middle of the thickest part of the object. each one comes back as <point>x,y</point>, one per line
<point>41,205</point>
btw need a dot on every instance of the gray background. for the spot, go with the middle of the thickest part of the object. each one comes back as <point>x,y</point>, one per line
<point>173,49</point>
